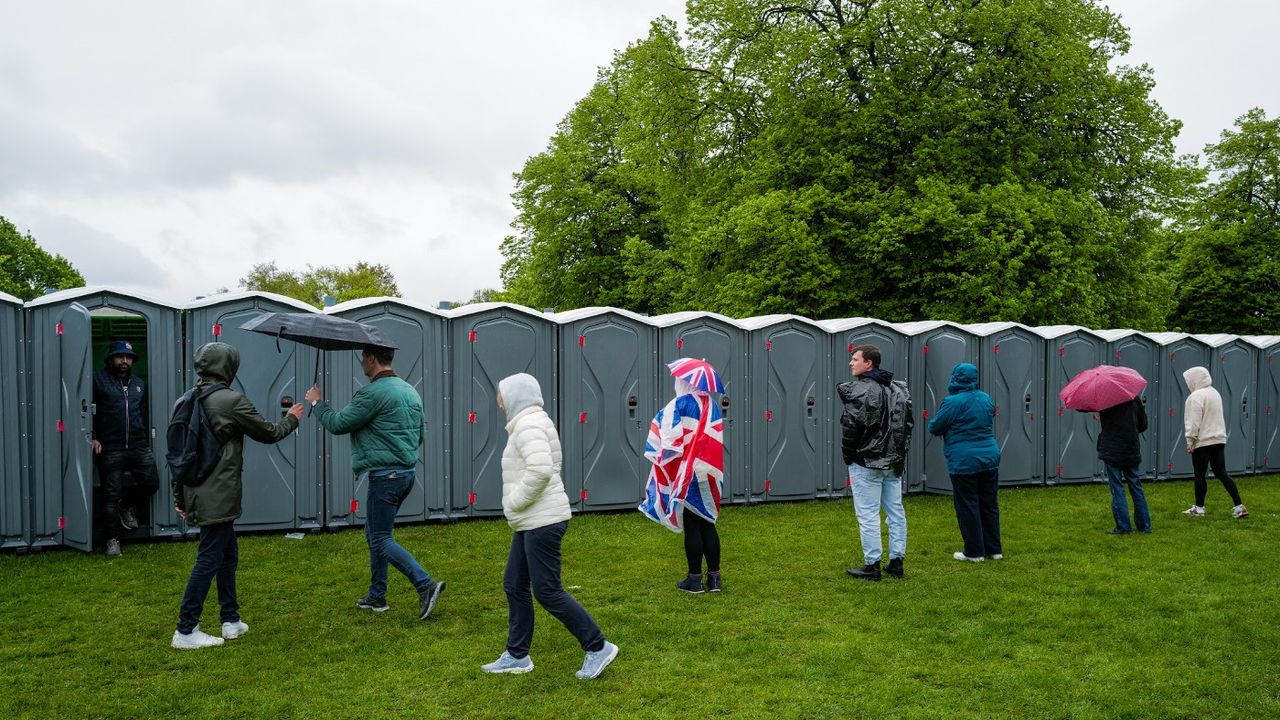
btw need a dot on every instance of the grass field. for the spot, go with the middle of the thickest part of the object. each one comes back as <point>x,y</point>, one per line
<point>1073,623</point>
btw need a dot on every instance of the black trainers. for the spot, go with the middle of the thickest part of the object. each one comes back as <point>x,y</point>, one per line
<point>691,584</point>
<point>427,598</point>
<point>377,605</point>
<point>870,571</point>
<point>713,582</point>
<point>128,519</point>
<point>894,567</point>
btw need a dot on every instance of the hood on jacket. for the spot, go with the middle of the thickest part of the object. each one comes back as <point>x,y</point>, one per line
<point>1197,378</point>
<point>518,392</point>
<point>880,375</point>
<point>218,362</point>
<point>964,376</point>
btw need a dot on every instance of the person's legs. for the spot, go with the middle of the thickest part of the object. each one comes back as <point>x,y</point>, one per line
<point>693,545</point>
<point>1141,511</point>
<point>964,495</point>
<point>515,583</point>
<point>111,470</point>
<point>230,607</point>
<point>895,515</point>
<point>141,465</point>
<point>208,561</point>
<point>989,509</point>
<point>1119,503</point>
<point>866,491</point>
<point>1200,465</point>
<point>390,493</point>
<point>1218,461</point>
<point>543,555</point>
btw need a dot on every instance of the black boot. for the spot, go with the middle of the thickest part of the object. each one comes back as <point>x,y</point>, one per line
<point>894,567</point>
<point>691,584</point>
<point>870,571</point>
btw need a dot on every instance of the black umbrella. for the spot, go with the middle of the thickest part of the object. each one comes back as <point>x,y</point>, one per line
<point>322,332</point>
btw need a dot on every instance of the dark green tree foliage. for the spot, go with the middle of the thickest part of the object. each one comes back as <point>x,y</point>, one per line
<point>313,284</point>
<point>901,159</point>
<point>1228,257</point>
<point>26,271</point>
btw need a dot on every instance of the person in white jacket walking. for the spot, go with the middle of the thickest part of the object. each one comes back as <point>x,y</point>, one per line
<point>1206,432</point>
<point>537,508</point>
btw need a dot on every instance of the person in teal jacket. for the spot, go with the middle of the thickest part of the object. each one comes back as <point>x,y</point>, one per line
<point>384,419</point>
<point>966,421</point>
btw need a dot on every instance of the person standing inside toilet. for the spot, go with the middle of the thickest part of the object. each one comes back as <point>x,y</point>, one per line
<point>122,443</point>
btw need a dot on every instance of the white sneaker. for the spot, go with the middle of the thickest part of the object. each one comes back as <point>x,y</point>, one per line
<point>1240,511</point>
<point>231,631</point>
<point>997,556</point>
<point>194,640</point>
<point>595,662</point>
<point>966,558</point>
<point>507,664</point>
<point>1194,511</point>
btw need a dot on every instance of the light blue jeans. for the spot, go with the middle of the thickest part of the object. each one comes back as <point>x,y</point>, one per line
<point>873,491</point>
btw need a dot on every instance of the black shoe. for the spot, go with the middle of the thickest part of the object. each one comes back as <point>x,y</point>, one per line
<point>1117,531</point>
<point>870,571</point>
<point>377,605</point>
<point>713,582</point>
<point>894,567</point>
<point>691,584</point>
<point>427,598</point>
<point>128,519</point>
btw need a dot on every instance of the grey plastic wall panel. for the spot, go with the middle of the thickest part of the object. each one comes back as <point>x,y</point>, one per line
<point>791,406</point>
<point>1012,371</point>
<point>419,361</point>
<point>1267,454</point>
<point>487,347</point>
<point>933,354</point>
<point>894,349</point>
<point>1234,368</point>
<point>608,371</point>
<point>1175,358</point>
<point>15,505</point>
<point>283,482</point>
<point>1142,354</point>
<point>725,347</point>
<point>1070,437</point>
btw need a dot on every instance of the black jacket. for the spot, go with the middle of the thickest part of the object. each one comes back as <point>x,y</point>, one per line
<point>1118,443</point>
<point>120,412</point>
<point>876,423</point>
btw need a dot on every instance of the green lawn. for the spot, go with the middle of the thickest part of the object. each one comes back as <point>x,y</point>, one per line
<point>1073,623</point>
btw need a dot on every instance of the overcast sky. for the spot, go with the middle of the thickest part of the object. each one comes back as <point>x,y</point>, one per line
<point>165,147</point>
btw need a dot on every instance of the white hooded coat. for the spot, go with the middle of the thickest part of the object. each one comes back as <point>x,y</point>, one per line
<point>1202,414</point>
<point>533,494</point>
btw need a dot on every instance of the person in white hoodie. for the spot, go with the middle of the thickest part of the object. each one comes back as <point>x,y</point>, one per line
<point>1206,432</point>
<point>537,508</point>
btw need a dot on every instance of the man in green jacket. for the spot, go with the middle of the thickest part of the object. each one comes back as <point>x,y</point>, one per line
<point>214,504</point>
<point>384,419</point>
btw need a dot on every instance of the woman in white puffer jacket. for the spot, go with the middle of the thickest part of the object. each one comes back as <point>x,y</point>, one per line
<point>1206,432</point>
<point>537,508</point>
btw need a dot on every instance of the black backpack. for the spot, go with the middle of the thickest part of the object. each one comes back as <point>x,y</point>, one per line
<point>193,448</point>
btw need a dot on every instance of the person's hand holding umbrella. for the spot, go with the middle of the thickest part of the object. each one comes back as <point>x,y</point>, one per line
<point>314,395</point>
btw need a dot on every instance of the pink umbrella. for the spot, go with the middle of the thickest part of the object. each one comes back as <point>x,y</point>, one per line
<point>697,373</point>
<point>1102,387</point>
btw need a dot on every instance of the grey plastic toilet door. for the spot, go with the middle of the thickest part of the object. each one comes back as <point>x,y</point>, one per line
<point>75,425</point>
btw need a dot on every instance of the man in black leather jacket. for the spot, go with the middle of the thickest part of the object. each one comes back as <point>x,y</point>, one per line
<point>122,442</point>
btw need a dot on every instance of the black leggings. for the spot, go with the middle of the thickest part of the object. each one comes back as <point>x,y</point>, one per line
<point>700,540</point>
<point>1212,456</point>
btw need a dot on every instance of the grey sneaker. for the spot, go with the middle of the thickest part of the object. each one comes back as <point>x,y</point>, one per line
<point>1240,512</point>
<point>427,598</point>
<point>595,662</point>
<point>375,604</point>
<point>194,640</point>
<point>965,558</point>
<point>507,664</point>
<point>233,630</point>
<point>128,519</point>
<point>113,548</point>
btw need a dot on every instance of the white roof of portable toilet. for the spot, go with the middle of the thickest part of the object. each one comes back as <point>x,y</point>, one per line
<point>210,300</point>
<point>676,318</point>
<point>759,321</point>
<point>9,298</point>
<point>568,316</point>
<point>75,293</point>
<point>842,324</point>
<point>1050,332</point>
<point>1116,334</point>
<point>1164,338</point>
<point>1261,341</point>
<point>1216,339</point>
<point>920,326</point>
<point>474,308</point>
<point>368,301</point>
<point>991,328</point>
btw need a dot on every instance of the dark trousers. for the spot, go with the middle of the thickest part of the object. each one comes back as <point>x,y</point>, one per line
<point>700,540</point>
<point>1215,456</point>
<point>978,512</point>
<point>113,466</point>
<point>217,558</point>
<point>535,561</point>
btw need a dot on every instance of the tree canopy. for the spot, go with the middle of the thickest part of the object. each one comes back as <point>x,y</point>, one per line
<point>27,271</point>
<point>902,159</point>
<point>314,284</point>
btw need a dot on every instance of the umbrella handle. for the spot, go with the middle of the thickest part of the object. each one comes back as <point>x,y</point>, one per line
<point>280,330</point>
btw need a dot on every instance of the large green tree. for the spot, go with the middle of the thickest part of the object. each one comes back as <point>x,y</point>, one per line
<point>27,271</point>
<point>1227,267</point>
<point>314,284</point>
<point>903,159</point>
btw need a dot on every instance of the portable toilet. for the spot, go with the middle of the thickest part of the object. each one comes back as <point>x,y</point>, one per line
<point>791,401</point>
<point>847,334</point>
<point>1233,365</point>
<point>1179,352</point>
<point>1138,352</point>
<point>69,332</point>
<point>608,369</point>
<point>15,507</point>
<point>1070,437</point>
<point>284,482</point>
<point>1267,411</point>
<point>1011,371</point>
<point>936,347</point>
<point>723,343</point>
<point>488,342</point>
<point>419,336</point>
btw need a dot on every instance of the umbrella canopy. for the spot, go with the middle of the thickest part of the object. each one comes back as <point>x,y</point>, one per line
<point>1102,387</point>
<point>697,373</point>
<point>325,332</point>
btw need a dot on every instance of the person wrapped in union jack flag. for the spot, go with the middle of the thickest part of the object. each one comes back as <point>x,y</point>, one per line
<point>686,449</point>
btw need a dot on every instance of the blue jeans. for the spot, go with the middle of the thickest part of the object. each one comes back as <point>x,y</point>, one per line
<point>387,491</point>
<point>217,557</point>
<point>873,491</point>
<point>1120,504</point>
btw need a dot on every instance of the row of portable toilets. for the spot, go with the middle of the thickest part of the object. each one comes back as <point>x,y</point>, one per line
<point>603,376</point>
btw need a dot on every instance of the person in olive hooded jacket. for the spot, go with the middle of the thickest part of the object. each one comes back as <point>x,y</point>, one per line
<point>966,420</point>
<point>214,504</point>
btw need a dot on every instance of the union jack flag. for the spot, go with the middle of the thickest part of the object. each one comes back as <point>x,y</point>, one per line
<point>697,373</point>
<point>686,447</point>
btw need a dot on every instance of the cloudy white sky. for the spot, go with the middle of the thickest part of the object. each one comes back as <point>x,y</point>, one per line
<point>165,147</point>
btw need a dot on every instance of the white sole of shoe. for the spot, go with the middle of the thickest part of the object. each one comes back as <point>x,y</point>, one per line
<point>508,671</point>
